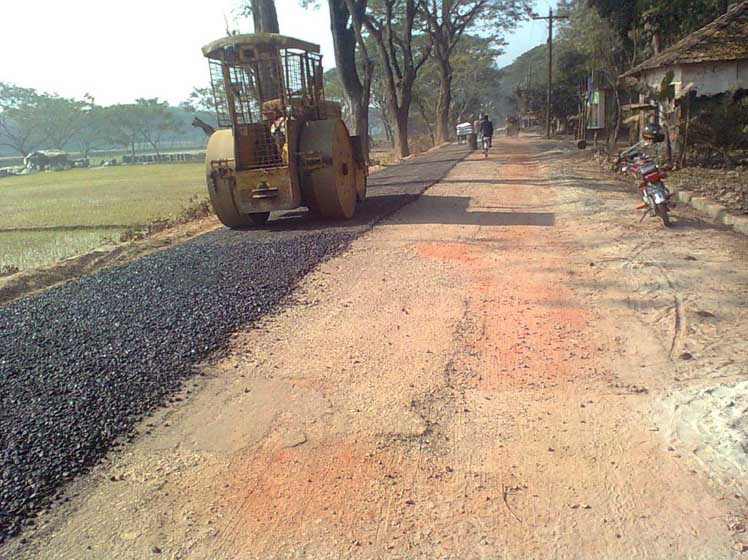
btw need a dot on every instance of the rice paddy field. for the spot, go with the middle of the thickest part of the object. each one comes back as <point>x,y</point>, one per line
<point>49,216</point>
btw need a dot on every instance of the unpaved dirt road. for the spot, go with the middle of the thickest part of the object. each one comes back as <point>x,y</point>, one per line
<point>509,367</point>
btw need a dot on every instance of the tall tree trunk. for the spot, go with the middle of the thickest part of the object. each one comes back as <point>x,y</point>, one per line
<point>357,90</point>
<point>444,103</point>
<point>400,129</point>
<point>399,93</point>
<point>265,20</point>
<point>424,117</point>
<point>399,115</point>
<point>264,16</point>
<point>399,71</point>
<point>361,125</point>
<point>387,124</point>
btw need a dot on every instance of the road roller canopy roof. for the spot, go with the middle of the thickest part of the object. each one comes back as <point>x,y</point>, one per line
<point>262,77</point>
<point>249,45</point>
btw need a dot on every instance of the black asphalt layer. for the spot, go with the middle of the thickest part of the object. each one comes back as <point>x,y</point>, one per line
<point>80,364</point>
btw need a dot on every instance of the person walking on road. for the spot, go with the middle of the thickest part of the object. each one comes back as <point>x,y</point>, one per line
<point>486,129</point>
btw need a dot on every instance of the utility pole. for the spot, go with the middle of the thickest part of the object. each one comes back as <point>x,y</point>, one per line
<point>550,19</point>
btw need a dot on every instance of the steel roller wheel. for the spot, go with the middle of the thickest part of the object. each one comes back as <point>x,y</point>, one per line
<point>330,188</point>
<point>221,191</point>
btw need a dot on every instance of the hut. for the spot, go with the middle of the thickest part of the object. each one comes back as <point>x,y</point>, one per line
<point>704,66</point>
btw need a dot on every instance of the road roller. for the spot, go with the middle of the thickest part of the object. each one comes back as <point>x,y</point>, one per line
<point>279,144</point>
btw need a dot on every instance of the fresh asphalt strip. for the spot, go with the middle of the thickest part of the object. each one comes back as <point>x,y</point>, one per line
<point>82,363</point>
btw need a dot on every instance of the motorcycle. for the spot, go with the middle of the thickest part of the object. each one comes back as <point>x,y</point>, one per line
<point>656,197</point>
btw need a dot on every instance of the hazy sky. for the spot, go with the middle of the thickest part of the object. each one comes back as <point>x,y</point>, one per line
<point>119,51</point>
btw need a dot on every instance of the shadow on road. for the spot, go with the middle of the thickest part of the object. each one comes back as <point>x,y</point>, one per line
<point>453,210</point>
<point>456,210</point>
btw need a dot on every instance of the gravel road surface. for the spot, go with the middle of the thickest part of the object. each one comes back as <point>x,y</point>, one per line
<point>81,363</point>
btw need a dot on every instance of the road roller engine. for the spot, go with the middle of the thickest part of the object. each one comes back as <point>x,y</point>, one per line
<point>280,145</point>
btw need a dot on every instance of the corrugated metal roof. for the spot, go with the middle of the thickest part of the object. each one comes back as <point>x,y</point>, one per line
<point>725,39</point>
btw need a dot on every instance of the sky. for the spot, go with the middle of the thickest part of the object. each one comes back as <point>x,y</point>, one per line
<point>528,35</point>
<point>120,51</point>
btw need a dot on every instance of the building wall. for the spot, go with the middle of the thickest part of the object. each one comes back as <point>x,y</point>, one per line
<point>653,78</point>
<point>710,78</point>
<point>743,73</point>
<point>716,78</point>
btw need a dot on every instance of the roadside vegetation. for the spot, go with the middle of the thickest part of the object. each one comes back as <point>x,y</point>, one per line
<point>602,39</point>
<point>50,216</point>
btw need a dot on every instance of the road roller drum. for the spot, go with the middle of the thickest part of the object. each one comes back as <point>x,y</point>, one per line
<point>219,171</point>
<point>328,185</point>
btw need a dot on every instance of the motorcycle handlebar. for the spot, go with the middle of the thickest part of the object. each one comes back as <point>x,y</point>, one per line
<point>632,149</point>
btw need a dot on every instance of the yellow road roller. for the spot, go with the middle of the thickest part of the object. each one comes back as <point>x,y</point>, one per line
<point>279,144</point>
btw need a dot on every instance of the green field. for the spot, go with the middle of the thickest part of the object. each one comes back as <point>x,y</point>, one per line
<point>46,217</point>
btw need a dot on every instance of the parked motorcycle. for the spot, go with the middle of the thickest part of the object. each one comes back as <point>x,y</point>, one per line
<point>655,195</point>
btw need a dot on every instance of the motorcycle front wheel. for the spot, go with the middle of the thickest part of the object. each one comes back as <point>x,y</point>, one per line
<point>662,211</point>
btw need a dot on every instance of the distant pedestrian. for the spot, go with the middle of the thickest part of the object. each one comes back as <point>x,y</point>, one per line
<point>486,129</point>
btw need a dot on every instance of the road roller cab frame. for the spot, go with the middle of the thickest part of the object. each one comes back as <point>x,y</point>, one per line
<point>280,145</point>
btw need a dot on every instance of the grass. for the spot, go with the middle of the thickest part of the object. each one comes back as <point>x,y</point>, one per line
<point>50,216</point>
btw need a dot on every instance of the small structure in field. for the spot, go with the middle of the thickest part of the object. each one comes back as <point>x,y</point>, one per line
<point>43,160</point>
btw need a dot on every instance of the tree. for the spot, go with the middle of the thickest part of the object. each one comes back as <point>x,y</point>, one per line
<point>605,50</point>
<point>199,100</point>
<point>391,26</point>
<point>61,119</point>
<point>334,91</point>
<point>354,66</point>
<point>264,16</point>
<point>660,22</point>
<point>475,78</point>
<point>446,23</point>
<point>124,125</point>
<point>93,125</point>
<point>476,83</point>
<point>20,128</point>
<point>154,120</point>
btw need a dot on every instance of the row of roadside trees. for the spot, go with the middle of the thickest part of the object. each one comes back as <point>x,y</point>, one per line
<point>475,88</point>
<point>429,61</point>
<point>433,56</point>
<point>32,120</point>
